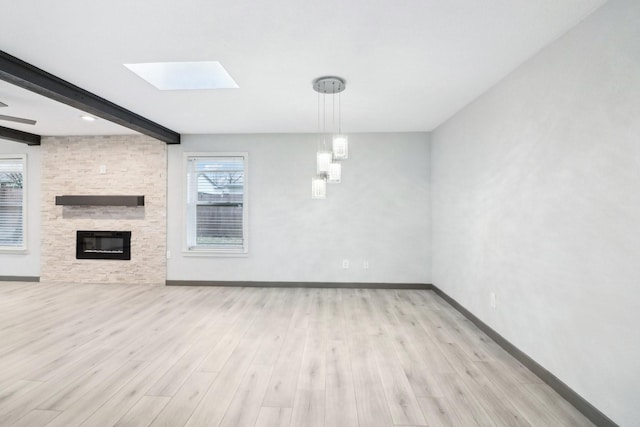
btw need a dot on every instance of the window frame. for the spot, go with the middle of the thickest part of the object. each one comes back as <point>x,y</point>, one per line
<point>22,248</point>
<point>187,225</point>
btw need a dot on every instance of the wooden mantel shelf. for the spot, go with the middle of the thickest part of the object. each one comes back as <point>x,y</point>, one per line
<point>100,200</point>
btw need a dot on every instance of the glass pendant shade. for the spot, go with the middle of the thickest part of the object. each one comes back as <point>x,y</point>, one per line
<point>335,173</point>
<point>318,188</point>
<point>340,147</point>
<point>323,161</point>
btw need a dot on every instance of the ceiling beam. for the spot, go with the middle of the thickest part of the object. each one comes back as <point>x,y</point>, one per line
<point>19,136</point>
<point>24,75</point>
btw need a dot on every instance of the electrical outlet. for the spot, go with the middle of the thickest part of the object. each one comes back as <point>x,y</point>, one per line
<point>168,254</point>
<point>492,296</point>
<point>103,168</point>
<point>345,263</point>
<point>365,264</point>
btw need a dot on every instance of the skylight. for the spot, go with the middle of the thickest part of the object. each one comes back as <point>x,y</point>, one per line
<point>184,75</point>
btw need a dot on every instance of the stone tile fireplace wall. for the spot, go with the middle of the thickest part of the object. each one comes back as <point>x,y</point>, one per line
<point>104,165</point>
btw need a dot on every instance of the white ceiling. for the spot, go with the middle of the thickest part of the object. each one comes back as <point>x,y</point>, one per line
<point>409,64</point>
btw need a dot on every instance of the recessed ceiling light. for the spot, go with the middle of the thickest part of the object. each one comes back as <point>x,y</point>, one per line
<point>88,118</point>
<point>184,75</point>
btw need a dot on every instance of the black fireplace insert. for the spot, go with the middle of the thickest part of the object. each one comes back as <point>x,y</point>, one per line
<point>103,245</point>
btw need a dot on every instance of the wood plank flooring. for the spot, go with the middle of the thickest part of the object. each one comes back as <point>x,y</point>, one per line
<point>90,355</point>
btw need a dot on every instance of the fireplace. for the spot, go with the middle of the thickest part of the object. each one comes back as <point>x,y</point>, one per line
<point>103,245</point>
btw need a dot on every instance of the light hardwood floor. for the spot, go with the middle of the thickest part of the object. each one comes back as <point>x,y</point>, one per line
<point>87,355</point>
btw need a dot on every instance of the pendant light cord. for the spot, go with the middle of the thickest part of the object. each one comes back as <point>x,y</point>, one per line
<point>324,118</point>
<point>318,138</point>
<point>340,112</point>
<point>333,107</point>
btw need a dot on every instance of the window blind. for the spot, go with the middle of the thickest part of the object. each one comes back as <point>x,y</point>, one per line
<point>216,203</point>
<point>12,214</point>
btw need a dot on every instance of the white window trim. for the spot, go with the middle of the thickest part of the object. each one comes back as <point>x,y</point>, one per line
<point>25,185</point>
<point>212,252</point>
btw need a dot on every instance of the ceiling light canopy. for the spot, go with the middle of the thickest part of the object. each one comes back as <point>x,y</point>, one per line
<point>184,75</point>
<point>329,85</point>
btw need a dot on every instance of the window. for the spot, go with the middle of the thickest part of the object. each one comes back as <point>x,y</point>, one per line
<point>12,202</point>
<point>217,203</point>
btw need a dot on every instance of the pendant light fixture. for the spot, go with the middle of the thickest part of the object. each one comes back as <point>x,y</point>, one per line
<point>340,142</point>
<point>335,173</point>
<point>318,188</point>
<point>323,160</point>
<point>340,147</point>
<point>328,167</point>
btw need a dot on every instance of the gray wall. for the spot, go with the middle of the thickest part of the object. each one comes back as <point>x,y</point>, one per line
<point>536,197</point>
<point>26,264</point>
<point>379,213</point>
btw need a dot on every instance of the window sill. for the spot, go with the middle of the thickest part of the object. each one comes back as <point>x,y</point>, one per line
<point>214,254</point>
<point>13,251</point>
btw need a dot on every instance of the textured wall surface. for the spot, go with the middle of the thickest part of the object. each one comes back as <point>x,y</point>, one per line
<point>379,213</point>
<point>134,165</point>
<point>536,197</point>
